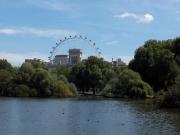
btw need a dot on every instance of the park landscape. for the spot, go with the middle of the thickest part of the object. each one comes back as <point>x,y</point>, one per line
<point>80,88</point>
<point>153,73</point>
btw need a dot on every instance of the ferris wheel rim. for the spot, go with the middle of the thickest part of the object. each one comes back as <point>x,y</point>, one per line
<point>71,38</point>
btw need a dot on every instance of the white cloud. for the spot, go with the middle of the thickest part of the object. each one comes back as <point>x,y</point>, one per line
<point>127,14</point>
<point>52,33</point>
<point>146,18</point>
<point>17,59</point>
<point>8,31</point>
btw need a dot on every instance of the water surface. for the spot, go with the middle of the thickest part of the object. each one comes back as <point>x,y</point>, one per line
<point>85,117</point>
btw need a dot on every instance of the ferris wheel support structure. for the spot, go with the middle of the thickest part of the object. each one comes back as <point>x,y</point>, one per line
<point>72,38</point>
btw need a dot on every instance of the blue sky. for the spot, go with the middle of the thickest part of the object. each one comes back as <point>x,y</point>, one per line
<point>29,28</point>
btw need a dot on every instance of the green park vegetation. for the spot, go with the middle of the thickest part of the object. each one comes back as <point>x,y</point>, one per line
<point>32,80</point>
<point>99,77</point>
<point>154,72</point>
<point>158,63</point>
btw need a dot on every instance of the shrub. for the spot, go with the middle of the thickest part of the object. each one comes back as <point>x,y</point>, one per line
<point>43,82</point>
<point>33,92</point>
<point>22,91</point>
<point>62,90</point>
<point>107,91</point>
<point>63,78</point>
<point>129,84</point>
<point>138,88</point>
<point>5,81</point>
<point>73,89</point>
<point>170,98</point>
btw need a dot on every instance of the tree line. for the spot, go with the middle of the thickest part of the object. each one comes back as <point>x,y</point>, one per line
<point>98,76</point>
<point>154,72</point>
<point>32,80</point>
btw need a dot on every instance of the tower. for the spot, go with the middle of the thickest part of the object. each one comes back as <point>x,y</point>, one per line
<point>75,56</point>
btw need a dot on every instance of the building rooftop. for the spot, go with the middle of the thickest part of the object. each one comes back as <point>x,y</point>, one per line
<point>75,50</point>
<point>63,55</point>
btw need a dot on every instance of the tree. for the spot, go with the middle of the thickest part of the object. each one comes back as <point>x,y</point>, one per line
<point>25,74</point>
<point>40,64</point>
<point>170,98</point>
<point>78,76</point>
<point>128,83</point>
<point>5,65</point>
<point>154,63</point>
<point>43,82</point>
<point>5,80</point>
<point>63,70</point>
<point>62,90</point>
<point>27,68</point>
<point>91,74</point>
<point>95,76</point>
<point>176,50</point>
<point>22,91</point>
<point>73,89</point>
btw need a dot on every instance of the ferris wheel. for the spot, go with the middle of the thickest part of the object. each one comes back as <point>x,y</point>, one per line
<point>66,40</point>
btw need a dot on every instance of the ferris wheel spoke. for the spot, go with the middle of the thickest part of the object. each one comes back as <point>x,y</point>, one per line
<point>71,39</point>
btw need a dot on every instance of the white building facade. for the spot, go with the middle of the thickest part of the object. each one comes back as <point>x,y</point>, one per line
<point>74,57</point>
<point>61,60</point>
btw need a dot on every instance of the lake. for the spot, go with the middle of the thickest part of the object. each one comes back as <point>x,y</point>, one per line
<point>23,116</point>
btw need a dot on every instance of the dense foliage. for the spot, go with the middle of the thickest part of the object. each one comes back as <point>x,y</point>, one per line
<point>32,80</point>
<point>155,69</point>
<point>99,77</point>
<point>127,83</point>
<point>158,64</point>
<point>91,74</point>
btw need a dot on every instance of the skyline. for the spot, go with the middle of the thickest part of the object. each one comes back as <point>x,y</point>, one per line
<point>30,28</point>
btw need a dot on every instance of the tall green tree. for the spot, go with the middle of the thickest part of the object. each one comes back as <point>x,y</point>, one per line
<point>155,63</point>
<point>4,64</point>
<point>176,50</point>
<point>24,74</point>
<point>43,82</point>
<point>5,80</point>
<point>91,74</point>
<point>127,83</point>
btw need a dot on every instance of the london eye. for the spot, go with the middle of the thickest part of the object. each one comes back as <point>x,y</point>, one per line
<point>68,39</point>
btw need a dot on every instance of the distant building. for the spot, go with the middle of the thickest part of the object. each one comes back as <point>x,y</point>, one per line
<point>118,63</point>
<point>75,56</point>
<point>114,63</point>
<point>35,60</point>
<point>61,60</point>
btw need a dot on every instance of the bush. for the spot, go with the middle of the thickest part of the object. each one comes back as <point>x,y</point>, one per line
<point>33,92</point>
<point>43,82</point>
<point>63,78</point>
<point>107,91</point>
<point>62,90</point>
<point>170,98</point>
<point>73,89</point>
<point>129,84</point>
<point>5,65</point>
<point>22,91</point>
<point>139,89</point>
<point>5,81</point>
